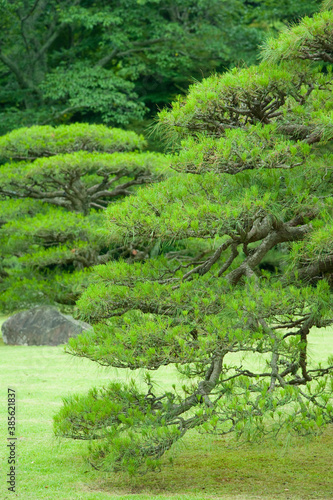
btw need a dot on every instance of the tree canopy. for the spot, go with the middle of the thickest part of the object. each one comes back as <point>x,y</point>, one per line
<point>113,61</point>
<point>234,305</point>
<point>55,184</point>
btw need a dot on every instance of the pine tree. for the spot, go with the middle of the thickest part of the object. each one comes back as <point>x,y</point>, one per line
<point>55,184</point>
<point>253,185</point>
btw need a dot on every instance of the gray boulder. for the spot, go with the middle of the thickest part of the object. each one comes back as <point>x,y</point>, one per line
<point>41,325</point>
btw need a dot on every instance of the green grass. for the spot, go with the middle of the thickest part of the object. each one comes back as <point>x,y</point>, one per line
<point>204,467</point>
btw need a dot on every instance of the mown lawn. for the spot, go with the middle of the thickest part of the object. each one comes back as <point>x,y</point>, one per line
<point>204,467</point>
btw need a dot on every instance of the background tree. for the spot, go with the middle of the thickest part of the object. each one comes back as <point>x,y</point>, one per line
<point>254,176</point>
<point>65,61</point>
<point>282,12</point>
<point>53,192</point>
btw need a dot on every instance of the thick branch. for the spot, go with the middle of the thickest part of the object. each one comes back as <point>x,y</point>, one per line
<point>302,355</point>
<point>204,388</point>
<point>285,233</point>
<point>316,269</point>
<point>120,189</point>
<point>227,264</point>
<point>106,182</point>
<point>20,75</point>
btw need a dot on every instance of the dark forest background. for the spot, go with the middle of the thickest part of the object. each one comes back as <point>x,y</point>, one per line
<point>118,62</point>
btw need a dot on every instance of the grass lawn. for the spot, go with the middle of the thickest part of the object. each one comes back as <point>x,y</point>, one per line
<point>204,467</point>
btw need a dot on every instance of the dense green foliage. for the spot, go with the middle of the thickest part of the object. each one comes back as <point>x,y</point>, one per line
<point>253,186</point>
<point>113,61</point>
<point>55,184</point>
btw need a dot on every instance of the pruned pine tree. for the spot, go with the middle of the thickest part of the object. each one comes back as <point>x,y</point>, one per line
<point>55,184</point>
<point>253,187</point>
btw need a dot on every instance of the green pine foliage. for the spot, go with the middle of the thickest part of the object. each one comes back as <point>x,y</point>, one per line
<point>40,141</point>
<point>55,184</point>
<point>234,303</point>
<point>312,39</point>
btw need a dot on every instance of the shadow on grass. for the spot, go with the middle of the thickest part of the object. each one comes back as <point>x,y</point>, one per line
<point>210,468</point>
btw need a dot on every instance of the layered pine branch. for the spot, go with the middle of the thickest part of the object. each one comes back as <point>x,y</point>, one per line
<point>55,184</point>
<point>242,271</point>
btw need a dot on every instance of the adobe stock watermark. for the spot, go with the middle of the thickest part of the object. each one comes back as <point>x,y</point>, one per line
<point>11,441</point>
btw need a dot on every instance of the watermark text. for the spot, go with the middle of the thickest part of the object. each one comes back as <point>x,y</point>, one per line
<point>11,440</point>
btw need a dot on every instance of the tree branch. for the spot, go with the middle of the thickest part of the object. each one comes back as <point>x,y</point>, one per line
<point>285,233</point>
<point>316,269</point>
<point>205,267</point>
